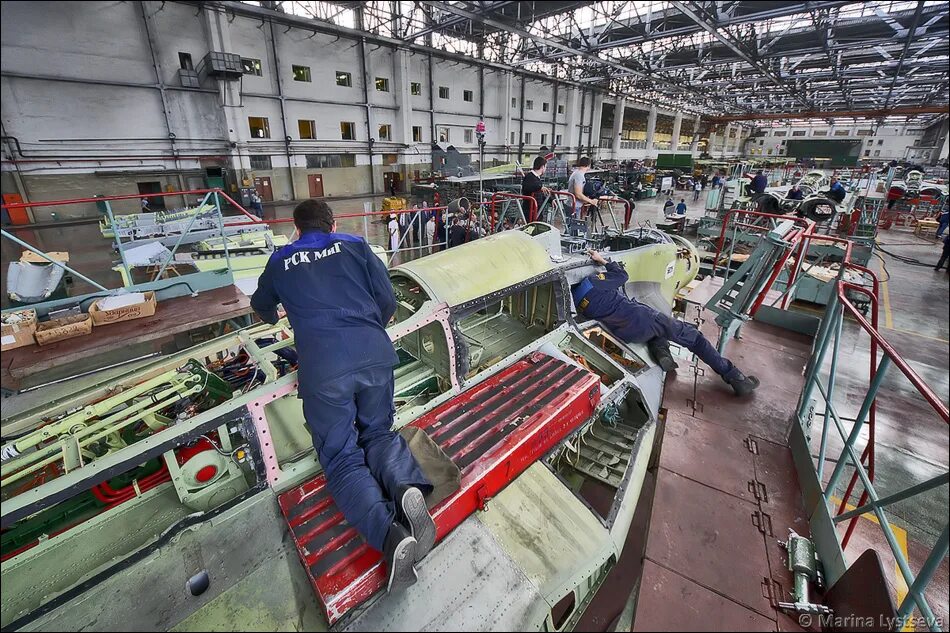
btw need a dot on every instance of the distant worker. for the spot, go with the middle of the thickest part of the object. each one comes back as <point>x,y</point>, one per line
<point>945,255</point>
<point>697,190</point>
<point>457,233</point>
<point>943,219</point>
<point>257,204</point>
<point>575,184</point>
<point>393,234</point>
<point>145,207</point>
<point>759,183</point>
<point>668,206</point>
<point>836,190</point>
<point>681,207</point>
<point>392,187</point>
<point>338,298</point>
<point>795,193</point>
<point>430,233</point>
<point>531,186</point>
<point>597,297</point>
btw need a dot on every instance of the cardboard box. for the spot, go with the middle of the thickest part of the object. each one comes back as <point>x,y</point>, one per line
<point>126,313</point>
<point>56,330</point>
<point>14,335</point>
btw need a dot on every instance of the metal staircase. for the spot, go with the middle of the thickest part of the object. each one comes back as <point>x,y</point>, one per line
<point>743,291</point>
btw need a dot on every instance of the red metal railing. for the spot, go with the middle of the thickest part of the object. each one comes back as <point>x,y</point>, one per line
<point>502,195</point>
<point>132,196</point>
<point>627,210</point>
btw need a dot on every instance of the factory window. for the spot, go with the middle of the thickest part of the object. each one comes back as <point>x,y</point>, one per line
<point>416,133</point>
<point>770,151</point>
<point>799,132</point>
<point>544,139</point>
<point>344,79</point>
<point>512,138</point>
<point>877,152</point>
<point>443,92</point>
<point>390,159</point>
<point>867,152</point>
<point>184,59</point>
<point>514,102</point>
<point>301,73</point>
<point>443,134</point>
<point>861,133</point>
<point>385,132</point>
<point>557,139</point>
<point>251,66</point>
<point>467,95</point>
<point>560,108</point>
<point>307,128</point>
<point>870,141</point>
<point>260,162</point>
<point>529,105</point>
<point>382,84</point>
<point>260,126</point>
<point>347,130</point>
<point>780,133</point>
<point>415,88</point>
<point>325,161</point>
<point>545,107</point>
<point>468,135</point>
<point>844,133</point>
<point>880,142</point>
<point>819,133</point>
<point>527,138</point>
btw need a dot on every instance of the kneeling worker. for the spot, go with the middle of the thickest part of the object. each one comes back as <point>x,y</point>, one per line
<point>597,297</point>
<point>338,298</point>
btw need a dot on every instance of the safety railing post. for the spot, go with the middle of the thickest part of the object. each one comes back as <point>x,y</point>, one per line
<point>915,595</point>
<point>832,313</point>
<point>836,347</point>
<point>118,241</point>
<point>858,425</point>
<point>224,239</point>
<point>178,242</point>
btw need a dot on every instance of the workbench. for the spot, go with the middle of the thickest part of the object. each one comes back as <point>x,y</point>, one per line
<point>174,316</point>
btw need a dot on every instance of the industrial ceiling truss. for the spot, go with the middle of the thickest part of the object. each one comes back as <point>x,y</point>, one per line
<point>712,58</point>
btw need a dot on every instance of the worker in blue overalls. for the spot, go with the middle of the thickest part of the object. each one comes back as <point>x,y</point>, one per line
<point>598,297</point>
<point>338,298</point>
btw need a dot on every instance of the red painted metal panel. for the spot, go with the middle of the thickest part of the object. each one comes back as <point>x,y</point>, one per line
<point>493,432</point>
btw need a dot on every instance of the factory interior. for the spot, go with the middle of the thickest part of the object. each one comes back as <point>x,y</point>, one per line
<point>475,316</point>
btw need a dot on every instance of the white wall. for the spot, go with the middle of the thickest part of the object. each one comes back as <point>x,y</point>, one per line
<point>112,104</point>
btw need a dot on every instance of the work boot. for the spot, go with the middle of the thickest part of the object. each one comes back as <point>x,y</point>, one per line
<point>743,385</point>
<point>400,554</point>
<point>660,351</point>
<point>415,514</point>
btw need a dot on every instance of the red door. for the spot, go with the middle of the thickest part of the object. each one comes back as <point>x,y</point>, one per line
<point>316,185</point>
<point>264,190</point>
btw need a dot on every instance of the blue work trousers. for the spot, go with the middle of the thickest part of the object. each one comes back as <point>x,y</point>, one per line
<point>637,323</point>
<point>366,463</point>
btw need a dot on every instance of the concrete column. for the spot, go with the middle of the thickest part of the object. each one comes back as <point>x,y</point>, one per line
<point>651,128</point>
<point>572,120</point>
<point>677,125</point>
<point>597,100</point>
<point>618,127</point>
<point>694,144</point>
<point>217,28</point>
<point>402,130</point>
<point>506,109</point>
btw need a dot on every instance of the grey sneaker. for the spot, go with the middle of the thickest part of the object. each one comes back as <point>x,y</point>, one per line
<point>400,554</point>
<point>412,504</point>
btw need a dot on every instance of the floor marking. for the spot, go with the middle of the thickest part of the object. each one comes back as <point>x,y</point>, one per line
<point>900,585</point>
<point>926,336</point>
<point>885,296</point>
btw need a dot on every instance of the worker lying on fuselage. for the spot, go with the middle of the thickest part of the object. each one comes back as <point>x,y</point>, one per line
<point>598,297</point>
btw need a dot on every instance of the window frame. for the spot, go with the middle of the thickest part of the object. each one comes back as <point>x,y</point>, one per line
<point>382,81</point>
<point>444,92</point>
<point>257,69</point>
<point>340,74</point>
<point>265,127</point>
<point>295,67</point>
<point>313,129</point>
<point>352,127</point>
